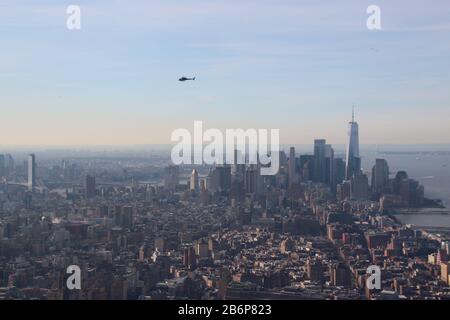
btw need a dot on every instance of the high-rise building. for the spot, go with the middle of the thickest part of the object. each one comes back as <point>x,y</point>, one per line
<point>224,175</point>
<point>319,160</point>
<point>237,191</point>
<point>307,167</point>
<point>282,159</point>
<point>292,176</point>
<point>219,178</point>
<point>380,176</point>
<point>194,182</point>
<point>353,161</point>
<point>171,177</point>
<point>360,186</point>
<point>329,166</point>
<point>90,187</point>
<point>212,181</point>
<point>9,163</point>
<point>127,216</point>
<point>31,171</point>
<point>411,192</point>
<point>344,190</point>
<point>339,170</point>
<point>251,180</point>
<point>238,169</point>
<point>201,249</point>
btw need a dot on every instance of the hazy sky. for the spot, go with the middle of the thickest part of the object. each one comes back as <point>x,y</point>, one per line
<point>288,64</point>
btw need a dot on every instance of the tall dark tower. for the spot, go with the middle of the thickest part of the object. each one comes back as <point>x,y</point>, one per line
<point>353,161</point>
<point>31,172</point>
<point>90,187</point>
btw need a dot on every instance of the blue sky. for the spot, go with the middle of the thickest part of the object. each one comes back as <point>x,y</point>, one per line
<point>293,65</point>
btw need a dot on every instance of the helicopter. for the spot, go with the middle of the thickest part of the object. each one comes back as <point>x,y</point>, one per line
<point>182,79</point>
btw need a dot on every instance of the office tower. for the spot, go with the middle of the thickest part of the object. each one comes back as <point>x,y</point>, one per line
<point>380,176</point>
<point>6,164</point>
<point>329,167</point>
<point>292,175</point>
<point>307,167</point>
<point>205,197</point>
<point>353,161</point>
<point>399,177</point>
<point>31,172</point>
<point>344,190</point>
<point>411,192</point>
<point>9,163</point>
<point>224,175</point>
<point>202,249</point>
<point>203,183</point>
<point>251,180</point>
<point>319,160</point>
<point>237,191</point>
<point>171,177</point>
<point>117,215</point>
<point>28,198</point>
<point>90,191</point>
<point>339,170</point>
<point>194,183</point>
<point>219,179</point>
<point>213,180</point>
<point>238,170</point>
<point>283,159</point>
<point>127,217</point>
<point>360,186</point>
<point>237,157</point>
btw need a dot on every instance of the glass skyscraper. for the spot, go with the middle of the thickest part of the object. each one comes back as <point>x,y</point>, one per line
<point>353,161</point>
<point>31,172</point>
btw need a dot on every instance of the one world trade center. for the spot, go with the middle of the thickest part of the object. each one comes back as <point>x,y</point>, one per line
<point>353,161</point>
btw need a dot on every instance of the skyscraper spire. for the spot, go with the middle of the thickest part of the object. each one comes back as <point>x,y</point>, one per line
<point>353,113</point>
